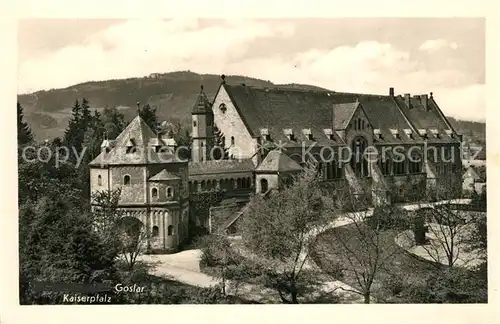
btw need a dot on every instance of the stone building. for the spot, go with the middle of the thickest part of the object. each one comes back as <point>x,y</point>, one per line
<point>152,180</point>
<point>270,134</point>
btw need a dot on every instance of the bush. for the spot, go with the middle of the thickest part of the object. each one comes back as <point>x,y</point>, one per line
<point>389,217</point>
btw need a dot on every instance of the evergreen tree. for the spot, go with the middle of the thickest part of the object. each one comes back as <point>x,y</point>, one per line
<point>113,122</point>
<point>80,121</point>
<point>24,134</point>
<point>220,150</point>
<point>148,114</point>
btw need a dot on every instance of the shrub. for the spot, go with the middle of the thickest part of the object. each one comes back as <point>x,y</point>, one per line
<point>389,217</point>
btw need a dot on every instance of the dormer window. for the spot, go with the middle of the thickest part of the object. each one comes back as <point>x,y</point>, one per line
<point>264,133</point>
<point>329,133</point>
<point>449,132</point>
<point>308,134</point>
<point>408,133</point>
<point>423,133</point>
<point>377,133</point>
<point>435,132</point>
<point>130,146</point>
<point>223,108</point>
<point>289,134</point>
<point>394,133</point>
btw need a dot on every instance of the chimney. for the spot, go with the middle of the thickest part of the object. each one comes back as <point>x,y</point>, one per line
<point>391,91</point>
<point>407,100</point>
<point>423,100</point>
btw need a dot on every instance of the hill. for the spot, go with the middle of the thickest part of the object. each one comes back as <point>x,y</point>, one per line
<point>172,94</point>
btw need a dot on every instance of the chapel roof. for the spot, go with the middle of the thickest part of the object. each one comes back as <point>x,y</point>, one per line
<point>277,161</point>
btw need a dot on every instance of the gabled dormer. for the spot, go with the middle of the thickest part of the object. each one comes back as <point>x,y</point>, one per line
<point>308,134</point>
<point>289,134</point>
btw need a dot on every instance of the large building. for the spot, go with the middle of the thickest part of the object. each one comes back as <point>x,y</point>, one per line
<point>270,134</point>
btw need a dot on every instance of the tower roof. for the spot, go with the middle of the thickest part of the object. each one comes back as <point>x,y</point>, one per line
<point>164,175</point>
<point>202,104</point>
<point>136,135</point>
<point>277,161</point>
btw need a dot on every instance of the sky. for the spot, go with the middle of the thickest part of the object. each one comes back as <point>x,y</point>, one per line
<point>445,56</point>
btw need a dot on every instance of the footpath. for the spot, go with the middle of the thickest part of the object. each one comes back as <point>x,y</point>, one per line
<point>184,266</point>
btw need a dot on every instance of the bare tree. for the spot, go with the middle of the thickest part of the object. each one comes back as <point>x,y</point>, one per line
<point>277,232</point>
<point>357,250</point>
<point>132,237</point>
<point>448,224</point>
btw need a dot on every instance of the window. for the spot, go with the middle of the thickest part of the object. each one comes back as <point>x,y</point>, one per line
<point>170,230</point>
<point>232,140</point>
<point>399,167</point>
<point>194,123</point>
<point>358,161</point>
<point>156,231</point>
<point>131,149</point>
<point>170,192</point>
<point>99,180</point>
<point>126,180</point>
<point>385,167</point>
<point>263,185</point>
<point>154,193</point>
<point>223,108</point>
<point>415,164</point>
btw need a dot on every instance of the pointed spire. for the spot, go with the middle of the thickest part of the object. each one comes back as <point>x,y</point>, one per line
<point>138,107</point>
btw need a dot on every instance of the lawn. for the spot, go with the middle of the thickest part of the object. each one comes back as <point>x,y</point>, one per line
<point>397,268</point>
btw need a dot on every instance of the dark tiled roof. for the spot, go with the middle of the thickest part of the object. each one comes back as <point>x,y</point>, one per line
<point>140,134</point>
<point>428,119</point>
<point>201,104</point>
<point>164,175</point>
<point>221,166</point>
<point>277,109</point>
<point>277,161</point>
<point>481,172</point>
<point>481,155</point>
<point>343,114</point>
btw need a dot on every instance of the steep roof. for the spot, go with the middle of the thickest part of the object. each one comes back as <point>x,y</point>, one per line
<point>164,175</point>
<point>139,134</point>
<point>277,161</point>
<point>220,166</point>
<point>343,114</point>
<point>201,104</point>
<point>276,109</point>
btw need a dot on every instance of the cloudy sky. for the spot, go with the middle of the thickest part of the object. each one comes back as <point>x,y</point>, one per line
<point>445,56</point>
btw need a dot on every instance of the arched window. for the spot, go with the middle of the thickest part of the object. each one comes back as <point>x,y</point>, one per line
<point>99,180</point>
<point>232,140</point>
<point>154,193</point>
<point>155,232</point>
<point>263,185</point>
<point>358,161</point>
<point>170,230</point>
<point>415,163</point>
<point>194,123</point>
<point>239,183</point>
<point>385,166</point>
<point>170,192</point>
<point>223,108</point>
<point>126,180</point>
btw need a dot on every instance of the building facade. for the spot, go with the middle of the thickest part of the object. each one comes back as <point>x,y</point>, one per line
<point>269,135</point>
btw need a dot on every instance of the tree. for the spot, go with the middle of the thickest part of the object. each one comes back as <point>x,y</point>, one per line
<point>113,121</point>
<point>218,254</point>
<point>24,134</point>
<point>78,124</point>
<point>133,236</point>
<point>278,232</point>
<point>220,150</point>
<point>57,244</point>
<point>358,250</point>
<point>148,114</point>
